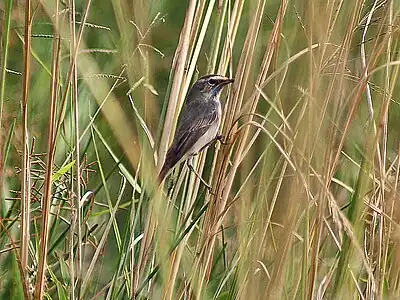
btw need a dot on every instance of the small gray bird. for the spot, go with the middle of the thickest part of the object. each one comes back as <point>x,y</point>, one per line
<point>198,123</point>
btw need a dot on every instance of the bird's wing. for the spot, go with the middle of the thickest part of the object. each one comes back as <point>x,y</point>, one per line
<point>196,120</point>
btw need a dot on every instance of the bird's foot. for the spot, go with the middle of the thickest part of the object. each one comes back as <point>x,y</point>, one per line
<point>220,138</point>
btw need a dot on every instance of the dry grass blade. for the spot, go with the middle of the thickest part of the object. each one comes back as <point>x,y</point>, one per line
<point>178,66</point>
<point>51,147</point>
<point>26,176</point>
<point>3,61</point>
<point>76,215</point>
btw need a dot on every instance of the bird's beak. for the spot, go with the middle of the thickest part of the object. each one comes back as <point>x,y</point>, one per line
<point>226,81</point>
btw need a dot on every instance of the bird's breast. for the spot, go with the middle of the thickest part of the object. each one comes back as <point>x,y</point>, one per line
<point>210,134</point>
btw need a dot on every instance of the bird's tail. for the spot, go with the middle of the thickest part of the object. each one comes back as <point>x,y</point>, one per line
<point>170,161</point>
<point>163,173</point>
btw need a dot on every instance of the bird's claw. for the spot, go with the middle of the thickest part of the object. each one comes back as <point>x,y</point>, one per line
<point>220,138</point>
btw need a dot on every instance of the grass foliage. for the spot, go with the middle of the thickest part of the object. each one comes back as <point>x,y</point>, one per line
<point>304,188</point>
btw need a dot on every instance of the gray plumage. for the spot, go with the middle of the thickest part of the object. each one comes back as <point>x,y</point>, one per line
<point>198,123</point>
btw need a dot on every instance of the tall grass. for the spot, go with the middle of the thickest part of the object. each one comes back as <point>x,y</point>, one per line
<point>304,186</point>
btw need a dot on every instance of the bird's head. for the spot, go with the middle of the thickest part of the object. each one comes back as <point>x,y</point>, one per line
<point>208,87</point>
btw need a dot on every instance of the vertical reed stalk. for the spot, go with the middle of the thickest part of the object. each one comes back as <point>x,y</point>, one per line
<point>51,147</point>
<point>76,217</point>
<point>26,181</point>
<point>3,63</point>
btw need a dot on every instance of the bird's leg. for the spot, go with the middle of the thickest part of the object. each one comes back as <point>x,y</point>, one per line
<point>189,163</point>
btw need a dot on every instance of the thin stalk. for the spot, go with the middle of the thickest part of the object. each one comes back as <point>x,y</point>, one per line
<point>233,25</point>
<point>217,38</point>
<point>78,216</point>
<point>111,221</point>
<point>196,53</point>
<point>3,63</point>
<point>51,147</point>
<point>179,65</point>
<point>26,180</point>
<point>71,69</point>
<point>388,83</point>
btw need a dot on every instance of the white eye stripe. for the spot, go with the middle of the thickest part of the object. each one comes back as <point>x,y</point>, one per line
<point>218,78</point>
<point>214,77</point>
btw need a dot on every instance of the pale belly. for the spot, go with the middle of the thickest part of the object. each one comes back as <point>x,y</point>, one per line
<point>208,136</point>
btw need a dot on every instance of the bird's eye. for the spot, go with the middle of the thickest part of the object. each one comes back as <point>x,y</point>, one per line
<point>212,81</point>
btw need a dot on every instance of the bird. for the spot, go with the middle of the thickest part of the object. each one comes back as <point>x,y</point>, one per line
<point>198,124</point>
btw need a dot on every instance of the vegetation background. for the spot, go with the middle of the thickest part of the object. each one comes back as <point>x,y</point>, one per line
<point>304,202</point>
